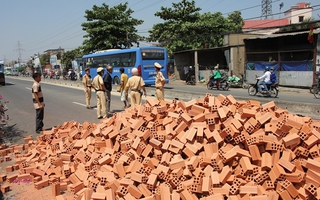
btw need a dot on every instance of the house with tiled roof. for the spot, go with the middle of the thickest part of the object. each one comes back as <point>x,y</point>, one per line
<point>296,14</point>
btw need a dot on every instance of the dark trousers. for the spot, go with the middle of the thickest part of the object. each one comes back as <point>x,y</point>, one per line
<point>39,119</point>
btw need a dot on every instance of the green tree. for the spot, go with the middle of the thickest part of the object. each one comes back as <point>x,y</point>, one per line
<point>109,28</point>
<point>303,26</point>
<point>45,59</point>
<point>185,28</point>
<point>69,56</point>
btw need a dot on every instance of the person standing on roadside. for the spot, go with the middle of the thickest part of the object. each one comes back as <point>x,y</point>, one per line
<point>98,85</point>
<point>159,83</point>
<point>135,84</point>
<point>38,101</point>
<point>87,87</point>
<point>123,83</point>
<point>107,80</point>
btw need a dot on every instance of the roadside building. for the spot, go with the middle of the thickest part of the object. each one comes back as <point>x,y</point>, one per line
<point>229,57</point>
<point>293,55</point>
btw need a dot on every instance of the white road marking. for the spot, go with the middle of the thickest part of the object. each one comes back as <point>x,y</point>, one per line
<point>81,104</point>
<point>28,88</point>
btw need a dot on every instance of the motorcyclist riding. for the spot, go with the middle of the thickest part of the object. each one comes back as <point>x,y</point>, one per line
<point>216,75</point>
<point>264,80</point>
<point>188,73</point>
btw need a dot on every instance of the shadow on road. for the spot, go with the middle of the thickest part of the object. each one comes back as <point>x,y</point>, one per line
<point>8,84</point>
<point>12,135</point>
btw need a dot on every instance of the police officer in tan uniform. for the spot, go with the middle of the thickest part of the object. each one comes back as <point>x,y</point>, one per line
<point>160,81</point>
<point>86,80</point>
<point>98,85</point>
<point>135,84</point>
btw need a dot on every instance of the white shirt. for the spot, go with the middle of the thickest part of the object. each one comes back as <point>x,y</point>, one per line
<point>265,76</point>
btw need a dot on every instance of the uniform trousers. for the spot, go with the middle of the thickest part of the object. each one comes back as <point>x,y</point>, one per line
<point>88,97</point>
<point>101,104</point>
<point>160,94</point>
<point>136,97</point>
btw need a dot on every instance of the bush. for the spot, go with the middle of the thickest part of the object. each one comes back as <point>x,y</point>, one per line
<point>3,108</point>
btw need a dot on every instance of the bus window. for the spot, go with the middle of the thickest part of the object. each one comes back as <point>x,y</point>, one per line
<point>128,59</point>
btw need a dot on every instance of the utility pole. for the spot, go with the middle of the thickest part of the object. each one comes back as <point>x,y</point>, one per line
<point>127,39</point>
<point>266,8</point>
<point>19,49</point>
<point>4,60</point>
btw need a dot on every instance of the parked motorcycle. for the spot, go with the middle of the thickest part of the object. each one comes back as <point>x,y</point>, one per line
<point>273,90</point>
<point>315,86</point>
<point>220,84</point>
<point>57,77</point>
<point>190,77</point>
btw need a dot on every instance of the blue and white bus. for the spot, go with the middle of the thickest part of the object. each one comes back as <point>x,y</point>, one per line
<point>142,58</point>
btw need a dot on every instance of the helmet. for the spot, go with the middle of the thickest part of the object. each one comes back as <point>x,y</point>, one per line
<point>267,68</point>
<point>99,69</point>
<point>271,68</point>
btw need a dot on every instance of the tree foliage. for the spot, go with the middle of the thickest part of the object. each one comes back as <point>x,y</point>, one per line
<point>45,59</point>
<point>69,56</point>
<point>303,26</point>
<point>185,28</point>
<point>109,27</point>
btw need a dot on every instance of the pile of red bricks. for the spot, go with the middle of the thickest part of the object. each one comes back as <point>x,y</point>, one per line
<point>209,149</point>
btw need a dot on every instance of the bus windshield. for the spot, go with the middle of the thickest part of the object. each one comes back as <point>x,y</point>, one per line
<point>142,58</point>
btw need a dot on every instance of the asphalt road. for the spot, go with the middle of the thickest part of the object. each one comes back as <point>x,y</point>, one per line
<point>62,104</point>
<point>285,94</point>
<point>65,102</point>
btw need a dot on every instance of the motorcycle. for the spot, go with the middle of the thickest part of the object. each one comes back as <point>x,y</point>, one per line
<point>220,84</point>
<point>57,77</point>
<point>190,77</point>
<point>315,86</point>
<point>273,90</point>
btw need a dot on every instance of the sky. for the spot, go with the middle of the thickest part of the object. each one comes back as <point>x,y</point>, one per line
<point>30,27</point>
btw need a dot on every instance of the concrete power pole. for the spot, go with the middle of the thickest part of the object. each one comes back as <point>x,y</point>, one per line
<point>19,50</point>
<point>4,60</point>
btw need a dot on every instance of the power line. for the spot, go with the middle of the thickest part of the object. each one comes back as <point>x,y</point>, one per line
<point>285,17</point>
<point>19,49</point>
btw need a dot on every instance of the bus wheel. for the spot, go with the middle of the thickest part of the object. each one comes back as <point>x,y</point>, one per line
<point>116,80</point>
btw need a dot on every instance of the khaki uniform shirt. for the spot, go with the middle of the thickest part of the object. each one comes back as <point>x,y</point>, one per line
<point>135,83</point>
<point>96,83</point>
<point>159,79</point>
<point>36,88</point>
<point>86,80</point>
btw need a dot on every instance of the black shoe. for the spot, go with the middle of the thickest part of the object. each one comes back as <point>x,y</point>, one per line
<point>100,117</point>
<point>38,132</point>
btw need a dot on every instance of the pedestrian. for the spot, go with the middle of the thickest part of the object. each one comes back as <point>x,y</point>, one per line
<point>98,85</point>
<point>87,87</point>
<point>135,84</point>
<point>159,83</point>
<point>123,83</point>
<point>107,80</point>
<point>38,102</point>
